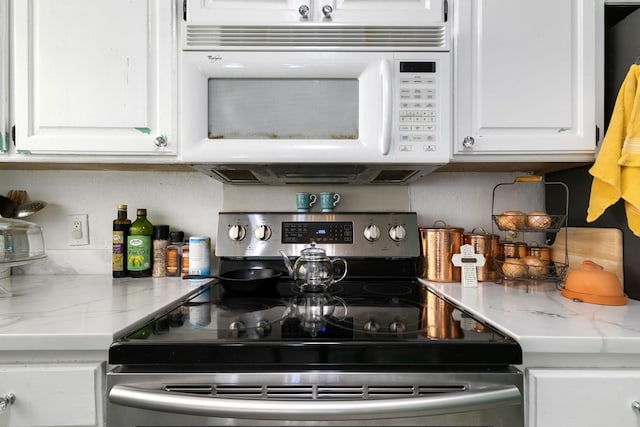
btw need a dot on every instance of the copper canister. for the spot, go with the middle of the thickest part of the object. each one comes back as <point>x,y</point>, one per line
<point>487,245</point>
<point>437,319</point>
<point>512,250</point>
<point>438,245</point>
<point>541,252</point>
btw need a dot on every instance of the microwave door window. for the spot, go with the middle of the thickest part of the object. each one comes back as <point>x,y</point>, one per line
<point>281,109</point>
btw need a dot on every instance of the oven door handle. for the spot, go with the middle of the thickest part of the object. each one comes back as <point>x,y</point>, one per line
<point>478,399</point>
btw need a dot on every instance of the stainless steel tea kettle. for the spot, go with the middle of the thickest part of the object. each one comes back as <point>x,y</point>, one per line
<point>314,269</point>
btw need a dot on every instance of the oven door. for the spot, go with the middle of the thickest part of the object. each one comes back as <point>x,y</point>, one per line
<point>315,107</point>
<point>316,398</point>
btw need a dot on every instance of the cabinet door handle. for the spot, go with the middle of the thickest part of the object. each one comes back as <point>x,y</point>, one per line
<point>6,401</point>
<point>636,406</point>
<point>468,142</point>
<point>161,141</point>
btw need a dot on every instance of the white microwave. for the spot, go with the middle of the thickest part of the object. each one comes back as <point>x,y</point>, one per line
<point>315,103</point>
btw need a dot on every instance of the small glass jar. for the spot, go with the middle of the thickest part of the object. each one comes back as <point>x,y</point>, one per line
<point>174,253</point>
<point>160,244</point>
<point>184,268</point>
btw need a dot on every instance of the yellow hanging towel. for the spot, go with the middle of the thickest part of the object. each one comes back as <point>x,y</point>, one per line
<point>616,171</point>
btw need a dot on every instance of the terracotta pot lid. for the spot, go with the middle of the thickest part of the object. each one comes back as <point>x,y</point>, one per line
<point>594,299</point>
<point>591,283</point>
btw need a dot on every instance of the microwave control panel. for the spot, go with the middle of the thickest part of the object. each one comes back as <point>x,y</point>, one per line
<point>417,84</point>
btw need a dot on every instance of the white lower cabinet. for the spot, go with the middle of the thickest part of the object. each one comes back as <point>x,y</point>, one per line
<point>53,395</point>
<point>583,397</point>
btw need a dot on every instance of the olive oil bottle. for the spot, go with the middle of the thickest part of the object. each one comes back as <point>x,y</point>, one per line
<point>139,252</point>
<point>121,227</point>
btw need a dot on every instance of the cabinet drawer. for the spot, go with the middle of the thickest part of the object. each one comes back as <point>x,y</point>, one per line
<point>53,394</point>
<point>583,397</point>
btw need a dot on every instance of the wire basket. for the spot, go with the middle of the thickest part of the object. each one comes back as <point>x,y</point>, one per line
<point>516,270</point>
<point>529,223</point>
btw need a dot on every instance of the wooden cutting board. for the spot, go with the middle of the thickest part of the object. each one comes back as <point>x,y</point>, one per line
<point>600,245</point>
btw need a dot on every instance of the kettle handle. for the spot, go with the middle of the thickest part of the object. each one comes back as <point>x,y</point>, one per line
<point>344,274</point>
<point>287,263</point>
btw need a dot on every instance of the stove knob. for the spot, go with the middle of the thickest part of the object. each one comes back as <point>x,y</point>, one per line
<point>397,233</point>
<point>371,326</point>
<point>263,328</point>
<point>372,232</point>
<point>237,328</point>
<point>397,327</point>
<point>237,232</point>
<point>262,232</point>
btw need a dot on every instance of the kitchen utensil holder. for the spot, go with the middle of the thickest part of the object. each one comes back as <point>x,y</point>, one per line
<point>555,272</point>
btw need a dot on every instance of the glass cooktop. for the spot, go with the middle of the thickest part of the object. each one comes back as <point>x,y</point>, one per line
<point>355,324</point>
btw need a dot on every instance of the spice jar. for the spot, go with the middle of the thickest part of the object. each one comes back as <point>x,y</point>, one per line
<point>160,243</point>
<point>174,253</point>
<point>184,268</point>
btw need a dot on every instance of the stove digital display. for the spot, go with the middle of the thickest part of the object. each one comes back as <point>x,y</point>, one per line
<point>320,232</point>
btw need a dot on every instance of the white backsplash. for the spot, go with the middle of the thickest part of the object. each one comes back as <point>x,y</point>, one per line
<point>190,201</point>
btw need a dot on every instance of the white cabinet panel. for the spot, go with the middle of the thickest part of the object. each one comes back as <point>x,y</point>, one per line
<point>79,85</point>
<point>53,395</point>
<point>583,397</point>
<point>282,12</point>
<point>525,77</point>
<point>4,76</point>
<point>95,76</point>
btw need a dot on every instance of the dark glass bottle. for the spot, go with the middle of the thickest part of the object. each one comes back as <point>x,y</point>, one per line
<point>139,249</point>
<point>120,235</point>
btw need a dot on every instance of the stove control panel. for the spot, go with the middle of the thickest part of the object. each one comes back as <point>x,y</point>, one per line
<point>380,234</point>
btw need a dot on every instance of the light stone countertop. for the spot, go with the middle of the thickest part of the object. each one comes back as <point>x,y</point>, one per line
<point>81,312</point>
<point>87,312</point>
<point>545,322</point>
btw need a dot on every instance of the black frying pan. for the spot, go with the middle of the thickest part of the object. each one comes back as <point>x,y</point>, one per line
<point>247,281</point>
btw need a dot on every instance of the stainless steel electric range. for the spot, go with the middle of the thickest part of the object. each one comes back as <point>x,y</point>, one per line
<point>375,348</point>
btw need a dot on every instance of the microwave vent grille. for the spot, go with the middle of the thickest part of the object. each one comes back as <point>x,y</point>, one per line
<point>394,176</point>
<point>238,37</point>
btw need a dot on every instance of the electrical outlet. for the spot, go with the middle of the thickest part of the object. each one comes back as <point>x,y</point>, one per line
<point>78,228</point>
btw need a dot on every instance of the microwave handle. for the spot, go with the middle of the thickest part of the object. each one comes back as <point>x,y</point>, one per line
<point>483,398</point>
<point>387,107</point>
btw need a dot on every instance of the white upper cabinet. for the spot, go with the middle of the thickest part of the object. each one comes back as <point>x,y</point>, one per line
<point>525,77</point>
<point>4,76</point>
<point>95,76</point>
<point>340,12</point>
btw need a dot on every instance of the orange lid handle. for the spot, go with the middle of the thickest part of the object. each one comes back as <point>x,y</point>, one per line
<point>529,178</point>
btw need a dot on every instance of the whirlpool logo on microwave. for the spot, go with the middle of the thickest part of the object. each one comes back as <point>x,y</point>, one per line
<point>214,58</point>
